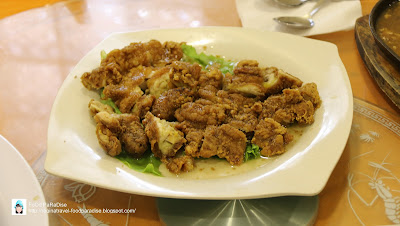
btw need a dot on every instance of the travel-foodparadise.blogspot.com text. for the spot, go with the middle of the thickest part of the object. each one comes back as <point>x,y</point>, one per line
<point>59,207</point>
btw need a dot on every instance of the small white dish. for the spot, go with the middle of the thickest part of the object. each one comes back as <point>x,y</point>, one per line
<point>18,182</point>
<point>74,152</point>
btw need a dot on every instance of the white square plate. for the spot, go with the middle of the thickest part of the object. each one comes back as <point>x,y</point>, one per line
<point>74,152</point>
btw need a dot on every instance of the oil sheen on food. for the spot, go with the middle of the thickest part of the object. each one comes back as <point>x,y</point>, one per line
<point>215,168</point>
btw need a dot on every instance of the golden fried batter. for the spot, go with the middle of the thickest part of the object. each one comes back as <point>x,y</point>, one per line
<point>124,95</point>
<point>166,104</point>
<point>202,112</point>
<point>124,129</point>
<point>172,52</point>
<point>160,82</point>
<point>108,140</point>
<point>246,79</point>
<point>143,105</point>
<point>180,164</point>
<point>119,61</point>
<point>244,111</point>
<point>111,121</point>
<point>291,106</point>
<point>310,92</point>
<point>164,139</point>
<point>249,79</point>
<point>244,84</point>
<point>185,108</point>
<point>133,137</point>
<point>213,78</point>
<point>271,137</point>
<point>194,142</point>
<point>248,67</point>
<point>185,74</point>
<point>96,107</point>
<point>276,80</point>
<point>224,141</point>
<point>102,76</point>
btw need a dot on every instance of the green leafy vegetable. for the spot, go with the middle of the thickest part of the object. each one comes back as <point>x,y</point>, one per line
<point>109,102</point>
<point>252,152</point>
<point>103,55</point>
<point>148,163</point>
<point>206,60</point>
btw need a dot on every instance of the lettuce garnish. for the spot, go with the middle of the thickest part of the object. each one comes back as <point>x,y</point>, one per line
<point>109,102</point>
<point>103,55</point>
<point>206,60</point>
<point>148,163</point>
<point>252,152</point>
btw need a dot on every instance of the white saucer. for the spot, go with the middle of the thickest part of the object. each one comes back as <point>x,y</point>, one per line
<point>19,182</point>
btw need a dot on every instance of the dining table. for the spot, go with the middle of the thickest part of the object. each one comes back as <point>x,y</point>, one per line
<point>41,41</point>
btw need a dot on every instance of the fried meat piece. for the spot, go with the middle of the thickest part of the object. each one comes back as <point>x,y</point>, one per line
<point>194,142</point>
<point>119,61</point>
<point>246,120</point>
<point>96,107</point>
<point>133,136</point>
<point>224,141</point>
<point>244,84</point>
<point>209,92</point>
<point>244,111</point>
<point>310,93</point>
<point>276,80</point>
<point>291,106</point>
<point>124,95</point>
<point>180,164</point>
<point>248,67</point>
<point>164,139</point>
<point>167,103</point>
<point>108,140</point>
<point>172,51</point>
<point>102,76</point>
<point>246,79</point>
<point>202,113</point>
<point>160,81</point>
<point>143,105</point>
<point>111,121</point>
<point>135,54</point>
<point>213,78</point>
<point>271,137</point>
<point>185,74</point>
<point>241,112</point>
<point>116,130</point>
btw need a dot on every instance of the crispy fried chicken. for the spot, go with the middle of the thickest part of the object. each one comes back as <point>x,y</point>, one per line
<point>119,61</point>
<point>293,105</point>
<point>164,139</point>
<point>143,105</point>
<point>180,164</point>
<point>224,141</point>
<point>246,79</point>
<point>120,130</point>
<point>276,80</point>
<point>202,113</point>
<point>189,112</point>
<point>271,137</point>
<point>168,102</point>
<point>96,107</point>
<point>185,74</point>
